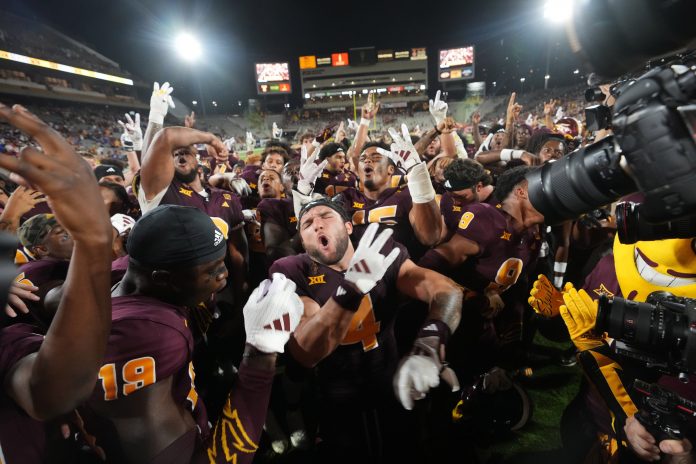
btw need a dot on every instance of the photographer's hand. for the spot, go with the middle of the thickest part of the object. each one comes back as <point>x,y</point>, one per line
<point>640,440</point>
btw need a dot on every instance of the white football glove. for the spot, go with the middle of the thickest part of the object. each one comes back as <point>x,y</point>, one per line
<point>160,102</point>
<point>122,222</point>
<point>277,131</point>
<point>420,371</point>
<point>309,171</point>
<point>250,141</point>
<point>249,215</point>
<point>352,125</point>
<point>272,313</point>
<point>368,265</point>
<point>402,149</point>
<point>438,109</point>
<point>239,186</point>
<point>133,131</point>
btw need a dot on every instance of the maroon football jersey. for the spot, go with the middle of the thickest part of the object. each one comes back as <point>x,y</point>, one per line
<point>149,341</point>
<point>451,210</point>
<point>22,439</point>
<point>119,266</point>
<point>602,280</point>
<point>331,184</point>
<point>364,363</point>
<point>41,271</point>
<point>251,175</point>
<point>280,212</point>
<point>497,265</point>
<point>391,209</point>
<point>40,208</point>
<point>219,204</point>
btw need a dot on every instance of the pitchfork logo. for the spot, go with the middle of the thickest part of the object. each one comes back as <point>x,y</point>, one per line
<point>361,266</point>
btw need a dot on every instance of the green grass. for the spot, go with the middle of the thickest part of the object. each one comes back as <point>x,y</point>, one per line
<point>551,388</point>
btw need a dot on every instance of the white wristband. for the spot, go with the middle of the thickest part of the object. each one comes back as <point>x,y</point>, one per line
<point>419,184</point>
<point>156,118</point>
<point>560,267</point>
<point>316,144</point>
<point>506,154</point>
<point>558,281</point>
<point>365,122</point>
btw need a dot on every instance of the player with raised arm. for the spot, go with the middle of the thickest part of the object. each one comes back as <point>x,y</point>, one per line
<point>45,375</point>
<point>350,305</point>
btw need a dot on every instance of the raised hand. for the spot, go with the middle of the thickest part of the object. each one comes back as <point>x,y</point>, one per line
<point>369,110</point>
<point>340,133</point>
<point>549,107</point>
<point>190,120</point>
<point>277,131</point>
<point>368,265</point>
<point>160,102</point>
<point>309,171</point>
<point>352,125</point>
<point>132,132</point>
<point>402,150</point>
<point>438,109</point>
<point>62,175</point>
<point>513,108</point>
<point>22,200</point>
<point>250,141</point>
<point>272,313</point>
<point>476,118</point>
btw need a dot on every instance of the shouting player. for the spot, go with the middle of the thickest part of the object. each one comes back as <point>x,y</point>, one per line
<point>350,301</point>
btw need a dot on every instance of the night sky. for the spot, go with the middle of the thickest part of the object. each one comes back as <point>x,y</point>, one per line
<point>511,38</point>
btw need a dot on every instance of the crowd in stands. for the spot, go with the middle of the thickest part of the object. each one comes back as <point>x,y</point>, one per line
<point>34,39</point>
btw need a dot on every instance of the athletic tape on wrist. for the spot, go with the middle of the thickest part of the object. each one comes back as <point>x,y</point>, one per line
<point>560,267</point>
<point>365,122</point>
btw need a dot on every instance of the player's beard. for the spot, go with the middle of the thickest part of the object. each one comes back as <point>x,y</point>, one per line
<point>341,246</point>
<point>186,178</point>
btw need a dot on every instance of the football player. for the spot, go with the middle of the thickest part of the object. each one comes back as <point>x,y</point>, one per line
<point>48,374</point>
<point>334,179</point>
<point>350,298</point>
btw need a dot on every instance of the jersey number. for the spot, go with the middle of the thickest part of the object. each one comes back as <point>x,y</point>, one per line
<point>363,327</point>
<point>136,374</point>
<point>382,215</point>
<point>466,220</point>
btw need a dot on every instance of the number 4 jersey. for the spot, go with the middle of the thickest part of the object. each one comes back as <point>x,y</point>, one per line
<point>364,363</point>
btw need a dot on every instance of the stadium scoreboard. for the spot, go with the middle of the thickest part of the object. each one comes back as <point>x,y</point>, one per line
<point>273,78</point>
<point>358,71</point>
<point>456,64</point>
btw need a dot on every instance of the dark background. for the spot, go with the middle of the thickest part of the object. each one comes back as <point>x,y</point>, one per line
<point>512,38</point>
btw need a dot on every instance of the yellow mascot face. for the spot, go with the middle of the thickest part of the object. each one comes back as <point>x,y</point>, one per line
<point>659,265</point>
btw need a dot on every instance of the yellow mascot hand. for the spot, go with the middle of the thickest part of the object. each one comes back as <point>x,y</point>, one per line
<point>580,314</point>
<point>544,298</point>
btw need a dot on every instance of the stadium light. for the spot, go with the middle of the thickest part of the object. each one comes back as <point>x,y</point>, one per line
<point>194,102</point>
<point>577,71</point>
<point>306,96</point>
<point>547,77</point>
<point>522,79</point>
<point>558,11</point>
<point>188,47</point>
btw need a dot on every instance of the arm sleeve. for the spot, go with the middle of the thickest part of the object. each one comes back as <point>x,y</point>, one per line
<point>237,432</point>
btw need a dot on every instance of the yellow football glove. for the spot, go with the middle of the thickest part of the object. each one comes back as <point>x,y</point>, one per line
<point>580,314</point>
<point>545,298</point>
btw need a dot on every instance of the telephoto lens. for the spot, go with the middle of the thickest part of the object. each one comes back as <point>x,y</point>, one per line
<point>632,227</point>
<point>583,181</point>
<point>659,327</point>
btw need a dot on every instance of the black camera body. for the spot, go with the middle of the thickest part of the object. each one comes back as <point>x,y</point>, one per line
<point>663,413</point>
<point>653,150</point>
<point>660,333</point>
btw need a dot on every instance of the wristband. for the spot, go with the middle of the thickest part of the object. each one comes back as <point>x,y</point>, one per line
<point>365,122</point>
<point>435,327</point>
<point>156,118</point>
<point>558,281</point>
<point>506,154</point>
<point>419,184</point>
<point>316,144</point>
<point>560,267</point>
<point>347,296</point>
